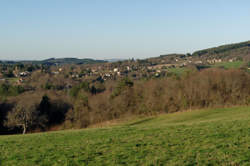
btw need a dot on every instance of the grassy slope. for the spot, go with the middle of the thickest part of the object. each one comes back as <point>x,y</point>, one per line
<point>178,70</point>
<point>229,65</point>
<point>215,137</point>
<point>226,65</point>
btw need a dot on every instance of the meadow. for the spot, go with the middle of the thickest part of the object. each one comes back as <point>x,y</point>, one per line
<point>200,137</point>
<point>229,65</point>
<point>178,70</point>
<point>226,65</point>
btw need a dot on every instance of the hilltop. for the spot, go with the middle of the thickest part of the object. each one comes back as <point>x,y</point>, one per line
<point>225,53</point>
<point>70,61</point>
<point>237,50</point>
<point>58,61</point>
<point>229,52</point>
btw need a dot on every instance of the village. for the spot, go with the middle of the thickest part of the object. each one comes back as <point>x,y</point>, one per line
<point>135,69</point>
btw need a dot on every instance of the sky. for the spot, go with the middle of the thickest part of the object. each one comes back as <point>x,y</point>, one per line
<point>120,29</point>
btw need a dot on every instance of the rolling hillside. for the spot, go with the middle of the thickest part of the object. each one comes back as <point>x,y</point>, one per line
<point>59,61</point>
<point>70,61</point>
<point>237,50</point>
<point>202,137</point>
<point>240,51</point>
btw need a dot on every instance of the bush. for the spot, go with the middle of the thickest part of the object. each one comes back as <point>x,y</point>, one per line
<point>77,88</point>
<point>124,83</point>
<point>10,90</point>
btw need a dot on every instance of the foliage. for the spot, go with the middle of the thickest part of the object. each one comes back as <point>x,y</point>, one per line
<point>97,88</point>
<point>76,89</point>
<point>124,83</point>
<point>78,116</point>
<point>222,49</point>
<point>44,111</point>
<point>10,90</point>
<point>9,74</point>
<point>51,86</point>
<point>23,115</point>
<point>248,64</point>
<point>95,102</point>
<point>4,109</point>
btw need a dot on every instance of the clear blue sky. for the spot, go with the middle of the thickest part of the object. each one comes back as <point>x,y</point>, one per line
<point>101,29</point>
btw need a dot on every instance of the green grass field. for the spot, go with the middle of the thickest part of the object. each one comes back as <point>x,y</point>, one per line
<point>229,65</point>
<point>202,137</point>
<point>178,70</point>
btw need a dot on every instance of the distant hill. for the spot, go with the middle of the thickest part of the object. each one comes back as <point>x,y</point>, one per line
<point>237,50</point>
<point>115,60</point>
<point>70,61</point>
<point>59,61</point>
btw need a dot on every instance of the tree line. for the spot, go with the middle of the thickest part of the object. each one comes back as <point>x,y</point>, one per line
<point>89,103</point>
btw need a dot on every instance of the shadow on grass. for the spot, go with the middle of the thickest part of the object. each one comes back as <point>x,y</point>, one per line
<point>1,161</point>
<point>140,122</point>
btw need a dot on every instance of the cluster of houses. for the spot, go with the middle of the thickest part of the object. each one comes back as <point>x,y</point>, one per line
<point>20,75</point>
<point>156,69</point>
<point>111,71</point>
<point>213,61</point>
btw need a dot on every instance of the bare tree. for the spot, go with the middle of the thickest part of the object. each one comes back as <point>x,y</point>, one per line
<point>23,116</point>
